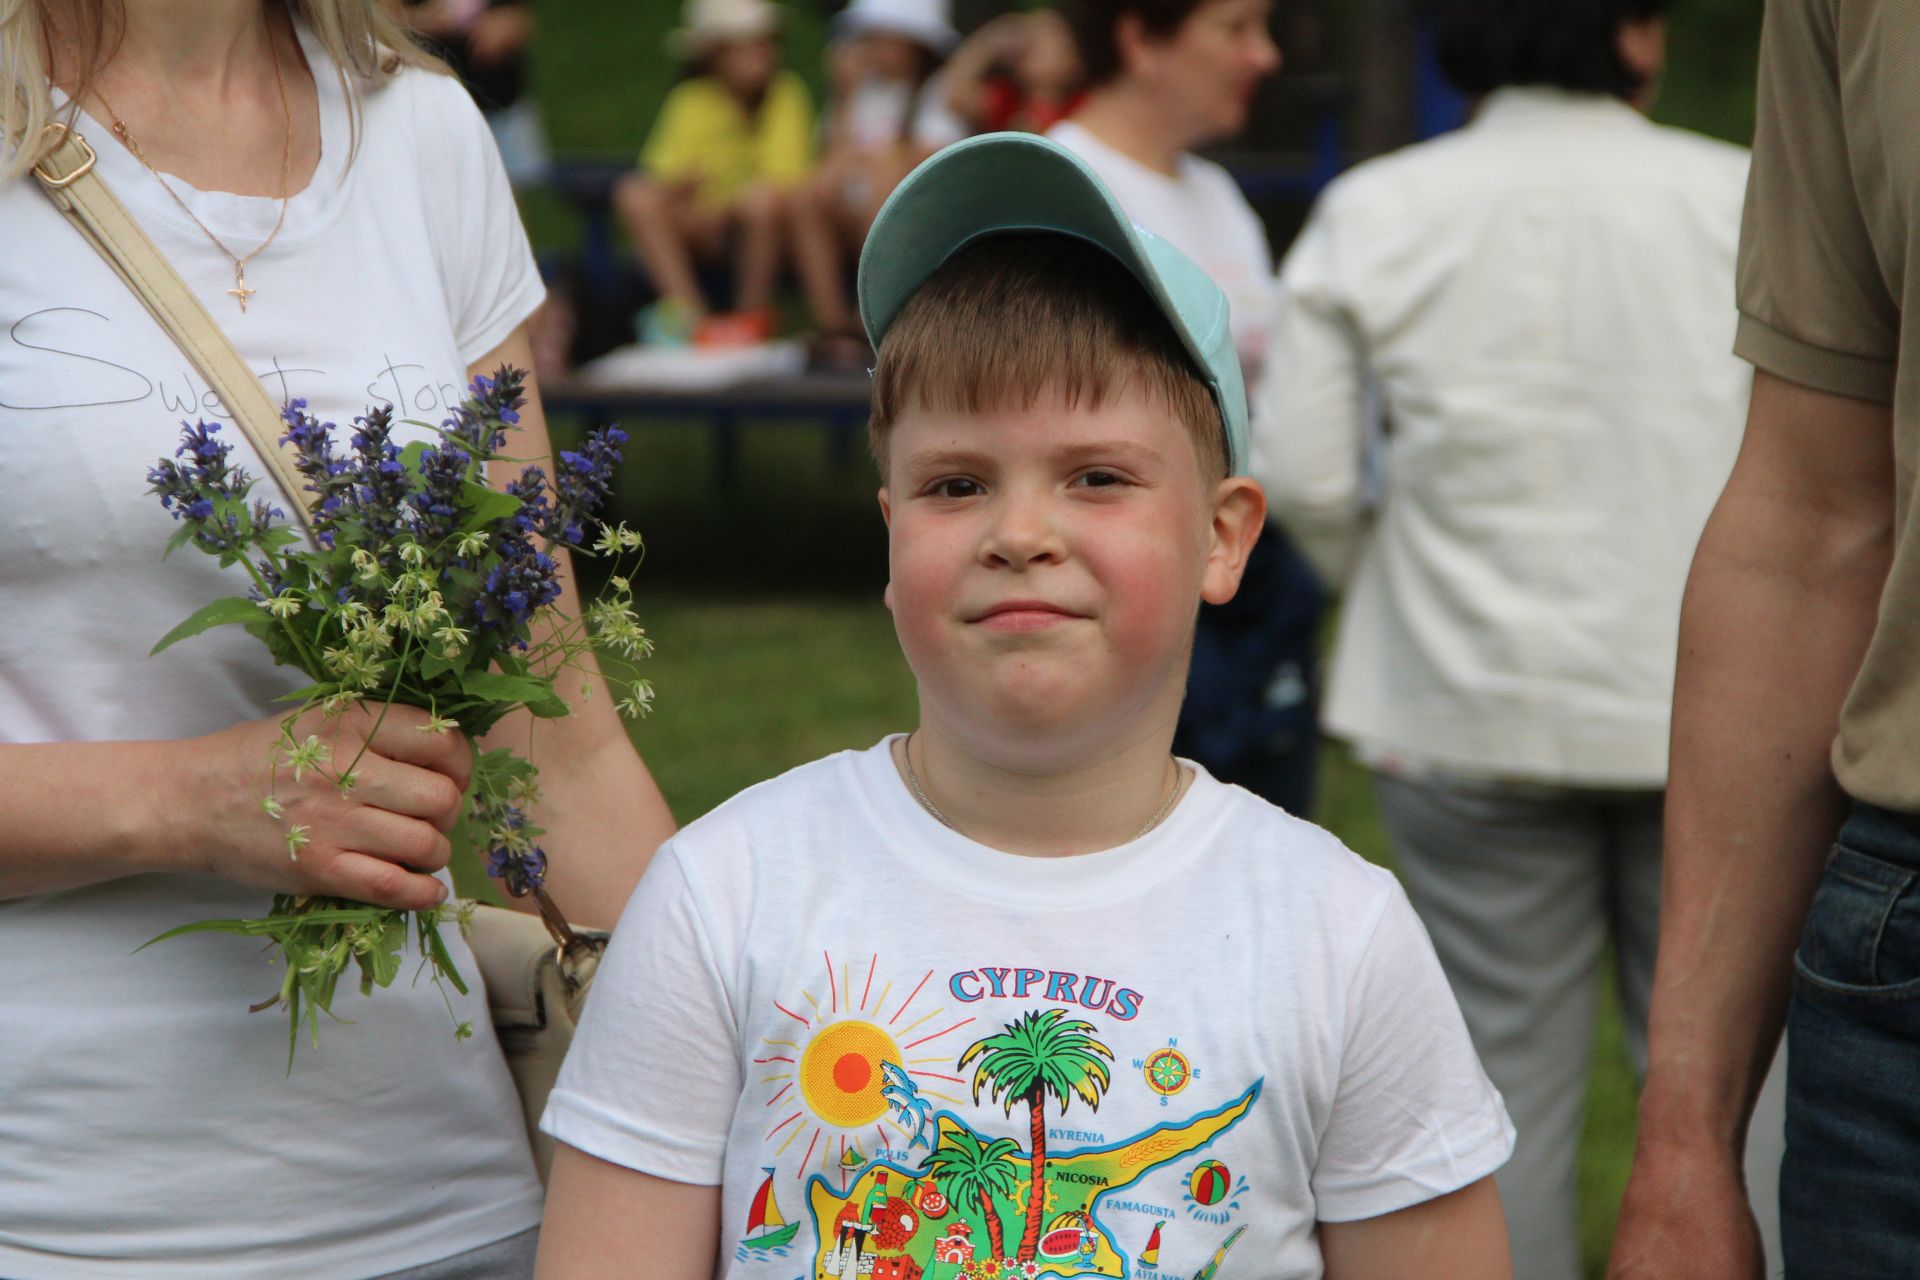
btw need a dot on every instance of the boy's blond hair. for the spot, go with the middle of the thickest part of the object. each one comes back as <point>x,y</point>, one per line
<point>1019,315</point>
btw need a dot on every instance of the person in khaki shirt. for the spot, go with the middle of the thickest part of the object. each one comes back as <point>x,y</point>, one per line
<point>1797,702</point>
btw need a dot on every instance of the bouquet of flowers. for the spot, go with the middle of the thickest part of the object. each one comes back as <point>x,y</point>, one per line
<point>426,588</point>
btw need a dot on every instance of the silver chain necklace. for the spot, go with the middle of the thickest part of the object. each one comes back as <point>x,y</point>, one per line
<point>920,794</point>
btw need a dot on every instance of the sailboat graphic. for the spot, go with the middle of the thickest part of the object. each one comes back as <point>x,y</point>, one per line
<point>1150,1256</point>
<point>1206,1272</point>
<point>767,1228</point>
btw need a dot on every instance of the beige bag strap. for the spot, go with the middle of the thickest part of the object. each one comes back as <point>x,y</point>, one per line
<point>66,174</point>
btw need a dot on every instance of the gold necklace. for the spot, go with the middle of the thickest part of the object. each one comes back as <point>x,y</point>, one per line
<point>920,794</point>
<point>240,291</point>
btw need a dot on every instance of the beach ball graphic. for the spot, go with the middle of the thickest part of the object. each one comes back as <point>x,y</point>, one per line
<point>1209,1182</point>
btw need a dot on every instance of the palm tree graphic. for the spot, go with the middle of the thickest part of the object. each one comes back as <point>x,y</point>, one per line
<point>965,1170</point>
<point>1040,1055</point>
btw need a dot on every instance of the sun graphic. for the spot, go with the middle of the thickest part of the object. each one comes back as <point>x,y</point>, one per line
<point>840,1075</point>
<point>834,1070</point>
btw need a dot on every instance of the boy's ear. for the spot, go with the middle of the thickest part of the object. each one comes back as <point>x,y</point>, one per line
<point>1239,513</point>
<point>886,514</point>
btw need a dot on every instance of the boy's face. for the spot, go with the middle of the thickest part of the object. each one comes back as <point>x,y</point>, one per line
<point>1047,565</point>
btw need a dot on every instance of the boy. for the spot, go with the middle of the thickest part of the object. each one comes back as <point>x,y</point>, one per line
<point>1019,993</point>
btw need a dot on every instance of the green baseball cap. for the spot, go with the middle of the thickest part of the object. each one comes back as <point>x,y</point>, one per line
<point>1000,182</point>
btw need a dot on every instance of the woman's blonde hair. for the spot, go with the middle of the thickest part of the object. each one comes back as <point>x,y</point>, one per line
<point>364,41</point>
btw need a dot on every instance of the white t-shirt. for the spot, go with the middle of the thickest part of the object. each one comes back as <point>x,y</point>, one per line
<point>1250,1030</point>
<point>1204,215</point>
<point>148,1125</point>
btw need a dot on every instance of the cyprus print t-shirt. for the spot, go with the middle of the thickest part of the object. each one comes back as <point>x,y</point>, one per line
<point>903,1054</point>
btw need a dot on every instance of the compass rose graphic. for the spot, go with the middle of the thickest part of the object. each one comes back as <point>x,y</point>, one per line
<point>1167,1072</point>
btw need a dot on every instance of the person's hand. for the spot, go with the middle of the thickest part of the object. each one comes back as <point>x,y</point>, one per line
<point>375,841</point>
<point>499,33</point>
<point>1685,1217</point>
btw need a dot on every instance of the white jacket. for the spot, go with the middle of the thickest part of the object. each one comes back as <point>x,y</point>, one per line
<point>1541,307</point>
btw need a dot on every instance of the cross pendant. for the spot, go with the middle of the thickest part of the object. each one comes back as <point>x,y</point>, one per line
<point>240,289</point>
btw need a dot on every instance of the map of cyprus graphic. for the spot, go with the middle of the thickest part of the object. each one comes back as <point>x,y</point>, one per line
<point>962,1209</point>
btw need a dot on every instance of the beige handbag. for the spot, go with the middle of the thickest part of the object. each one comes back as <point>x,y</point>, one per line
<point>536,968</point>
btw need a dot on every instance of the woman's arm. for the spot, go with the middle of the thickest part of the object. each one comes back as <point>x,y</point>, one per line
<point>78,813</point>
<point>607,1222</point>
<point>1460,1236</point>
<point>602,813</point>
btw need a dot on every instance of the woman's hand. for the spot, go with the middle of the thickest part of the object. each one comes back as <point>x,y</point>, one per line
<point>293,820</point>
<point>79,813</point>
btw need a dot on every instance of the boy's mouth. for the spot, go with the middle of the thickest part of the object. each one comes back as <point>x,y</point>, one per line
<point>1024,615</point>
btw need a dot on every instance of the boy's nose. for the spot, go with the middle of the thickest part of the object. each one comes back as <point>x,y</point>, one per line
<point>1021,534</point>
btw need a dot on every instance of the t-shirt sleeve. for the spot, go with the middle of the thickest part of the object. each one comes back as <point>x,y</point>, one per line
<point>1815,306</point>
<point>1309,411</point>
<point>672,149</point>
<point>1414,1116</point>
<point>653,1076</point>
<point>486,261</point>
<point>786,138</point>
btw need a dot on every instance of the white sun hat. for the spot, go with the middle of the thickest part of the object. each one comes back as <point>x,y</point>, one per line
<point>928,21</point>
<point>711,22</point>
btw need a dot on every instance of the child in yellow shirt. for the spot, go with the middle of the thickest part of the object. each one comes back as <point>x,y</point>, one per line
<point>717,172</point>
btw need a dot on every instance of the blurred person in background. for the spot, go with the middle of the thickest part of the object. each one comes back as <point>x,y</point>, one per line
<point>486,43</point>
<point>1794,811</point>
<point>718,176</point>
<point>1543,302</point>
<point>887,113</point>
<point>1164,76</point>
<point>1019,71</point>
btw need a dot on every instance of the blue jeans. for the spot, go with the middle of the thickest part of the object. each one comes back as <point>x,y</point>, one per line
<point>1850,1184</point>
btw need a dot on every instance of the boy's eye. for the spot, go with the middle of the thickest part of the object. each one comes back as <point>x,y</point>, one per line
<point>954,487</point>
<point>1097,479</point>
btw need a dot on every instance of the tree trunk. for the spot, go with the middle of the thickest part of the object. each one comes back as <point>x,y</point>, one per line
<point>996,1242</point>
<point>1037,1174</point>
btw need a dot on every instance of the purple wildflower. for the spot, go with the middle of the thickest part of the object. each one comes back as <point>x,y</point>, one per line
<point>495,400</point>
<point>525,577</point>
<point>521,873</point>
<point>380,489</point>
<point>443,469</point>
<point>191,488</point>
<point>582,481</point>
<point>329,477</point>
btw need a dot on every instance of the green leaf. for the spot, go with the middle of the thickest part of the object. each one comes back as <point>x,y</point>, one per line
<point>441,960</point>
<point>411,455</point>
<point>227,609</point>
<point>536,693</point>
<point>482,506</point>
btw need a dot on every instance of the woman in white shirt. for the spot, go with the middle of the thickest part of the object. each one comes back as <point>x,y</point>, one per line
<point>342,211</point>
<point>1541,305</point>
<point>1163,77</point>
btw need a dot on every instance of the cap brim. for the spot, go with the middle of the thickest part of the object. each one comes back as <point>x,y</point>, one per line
<point>1008,182</point>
